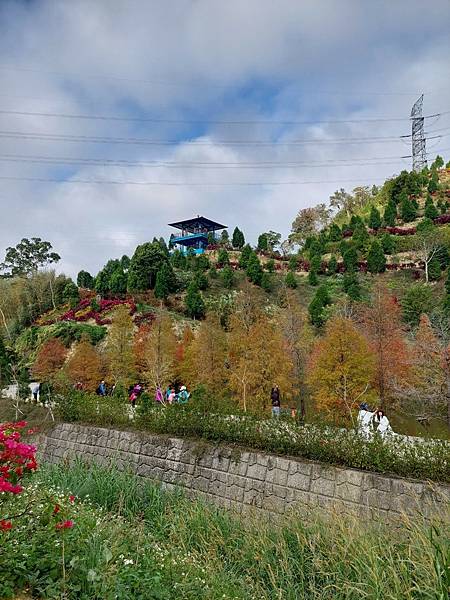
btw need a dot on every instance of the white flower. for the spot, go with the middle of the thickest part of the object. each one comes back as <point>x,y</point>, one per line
<point>128,561</point>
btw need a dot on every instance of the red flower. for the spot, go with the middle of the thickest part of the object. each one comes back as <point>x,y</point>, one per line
<point>65,525</point>
<point>72,498</point>
<point>5,525</point>
<point>56,509</point>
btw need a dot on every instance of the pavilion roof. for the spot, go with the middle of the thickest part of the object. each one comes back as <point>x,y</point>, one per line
<point>196,223</point>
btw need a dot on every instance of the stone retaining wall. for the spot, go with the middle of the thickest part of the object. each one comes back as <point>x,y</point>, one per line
<point>240,479</point>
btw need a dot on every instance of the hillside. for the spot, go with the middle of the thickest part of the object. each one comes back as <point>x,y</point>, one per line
<point>236,319</point>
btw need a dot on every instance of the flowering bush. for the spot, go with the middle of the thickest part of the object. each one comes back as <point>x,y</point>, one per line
<point>16,458</point>
<point>84,311</point>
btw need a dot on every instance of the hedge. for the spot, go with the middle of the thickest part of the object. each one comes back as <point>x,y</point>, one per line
<point>423,459</point>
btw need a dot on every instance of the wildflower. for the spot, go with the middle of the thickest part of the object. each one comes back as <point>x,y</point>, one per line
<point>5,525</point>
<point>56,509</point>
<point>128,561</point>
<point>71,498</point>
<point>65,524</point>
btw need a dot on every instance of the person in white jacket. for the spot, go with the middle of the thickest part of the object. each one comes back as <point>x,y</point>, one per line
<point>382,424</point>
<point>365,418</point>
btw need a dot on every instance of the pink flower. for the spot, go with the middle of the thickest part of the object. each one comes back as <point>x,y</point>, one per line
<point>6,486</point>
<point>72,498</point>
<point>65,524</point>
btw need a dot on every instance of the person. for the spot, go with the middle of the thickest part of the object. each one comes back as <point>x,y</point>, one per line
<point>101,390</point>
<point>382,424</point>
<point>169,389</point>
<point>364,421</point>
<point>78,386</point>
<point>159,398</point>
<point>36,389</point>
<point>275,398</point>
<point>183,395</point>
<point>172,396</point>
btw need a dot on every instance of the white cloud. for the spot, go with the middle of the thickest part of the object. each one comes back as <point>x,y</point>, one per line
<point>253,60</point>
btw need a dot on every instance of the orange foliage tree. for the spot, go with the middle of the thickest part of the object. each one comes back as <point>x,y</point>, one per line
<point>84,365</point>
<point>258,360</point>
<point>341,369</point>
<point>49,360</point>
<point>381,323</point>
<point>205,357</point>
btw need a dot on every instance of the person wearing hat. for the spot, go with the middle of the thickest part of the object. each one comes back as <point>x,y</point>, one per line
<point>365,416</point>
<point>183,395</point>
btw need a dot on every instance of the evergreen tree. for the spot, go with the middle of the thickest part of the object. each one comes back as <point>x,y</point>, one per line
<point>270,265</point>
<point>361,237</point>
<point>390,214</point>
<point>228,277</point>
<point>376,261</point>
<point>178,260</point>
<point>201,280</point>
<point>290,280</point>
<point>431,212</point>
<point>293,263</point>
<point>254,270</point>
<point>416,301</point>
<point>71,294</point>
<point>434,269</point>
<point>238,239</point>
<point>387,243</point>
<point>407,210</point>
<point>165,282</point>
<point>245,256</point>
<point>447,293</point>
<point>266,282</point>
<point>262,242</point>
<point>332,265</point>
<point>125,261</point>
<point>224,237</point>
<point>335,233</point>
<point>317,306</point>
<point>222,258</point>
<point>374,218</point>
<point>433,184</point>
<point>194,305</point>
<point>118,281</point>
<point>213,272</point>
<point>5,369</point>
<point>312,277</point>
<point>147,260</point>
<point>85,280</point>
<point>351,286</point>
<point>350,257</point>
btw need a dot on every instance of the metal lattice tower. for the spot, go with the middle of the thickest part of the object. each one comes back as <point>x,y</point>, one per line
<point>419,153</point>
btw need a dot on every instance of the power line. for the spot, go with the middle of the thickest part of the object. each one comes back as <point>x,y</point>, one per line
<point>206,121</point>
<point>178,184</point>
<point>54,137</point>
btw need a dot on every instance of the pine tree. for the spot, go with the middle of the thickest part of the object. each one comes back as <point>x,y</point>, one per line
<point>374,218</point>
<point>434,269</point>
<point>293,263</point>
<point>262,243</point>
<point>238,239</point>
<point>316,308</point>
<point>387,243</point>
<point>119,347</point>
<point>118,281</point>
<point>245,256</point>
<point>194,305</point>
<point>431,212</point>
<point>351,286</point>
<point>433,184</point>
<point>341,369</point>
<point>312,277</point>
<point>390,214</point>
<point>147,260</point>
<point>290,280</point>
<point>254,270</point>
<point>224,237</point>
<point>71,293</point>
<point>335,233</point>
<point>361,237</point>
<point>165,282</point>
<point>222,258</point>
<point>407,210</point>
<point>332,265</point>
<point>228,277</point>
<point>84,365</point>
<point>266,282</point>
<point>201,280</point>
<point>85,280</point>
<point>376,261</point>
<point>350,257</point>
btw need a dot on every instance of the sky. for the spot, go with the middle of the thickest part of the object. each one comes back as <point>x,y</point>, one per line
<point>118,117</point>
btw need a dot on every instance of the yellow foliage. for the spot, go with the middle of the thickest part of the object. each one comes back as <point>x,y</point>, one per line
<point>119,348</point>
<point>341,369</point>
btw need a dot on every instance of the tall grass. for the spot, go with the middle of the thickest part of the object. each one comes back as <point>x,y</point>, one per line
<point>328,557</point>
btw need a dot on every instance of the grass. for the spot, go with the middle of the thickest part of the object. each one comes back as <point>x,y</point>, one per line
<point>132,540</point>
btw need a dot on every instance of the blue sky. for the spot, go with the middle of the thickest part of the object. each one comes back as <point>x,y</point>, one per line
<point>259,62</point>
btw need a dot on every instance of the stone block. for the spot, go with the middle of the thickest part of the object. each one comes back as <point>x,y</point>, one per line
<point>299,481</point>
<point>256,471</point>
<point>348,492</point>
<point>322,487</point>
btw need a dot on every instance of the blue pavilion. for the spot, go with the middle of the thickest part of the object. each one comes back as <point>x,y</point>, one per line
<point>196,233</point>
